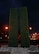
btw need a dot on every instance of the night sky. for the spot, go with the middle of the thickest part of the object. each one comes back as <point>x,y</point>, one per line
<point>33,11</point>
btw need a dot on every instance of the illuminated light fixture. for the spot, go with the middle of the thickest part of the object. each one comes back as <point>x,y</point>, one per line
<point>8,37</point>
<point>6,27</point>
<point>30,28</point>
<point>33,34</point>
<point>0,37</point>
<point>5,35</point>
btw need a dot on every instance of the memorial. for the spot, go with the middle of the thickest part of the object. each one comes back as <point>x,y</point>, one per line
<point>20,13</point>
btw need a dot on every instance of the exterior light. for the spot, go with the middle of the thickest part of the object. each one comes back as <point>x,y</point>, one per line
<point>8,37</point>
<point>30,28</point>
<point>5,35</point>
<point>33,34</point>
<point>6,28</point>
<point>0,37</point>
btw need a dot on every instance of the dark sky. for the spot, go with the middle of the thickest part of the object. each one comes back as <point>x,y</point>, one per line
<point>33,10</point>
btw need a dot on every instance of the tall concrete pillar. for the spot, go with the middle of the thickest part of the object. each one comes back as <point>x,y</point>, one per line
<point>13,22</point>
<point>24,27</point>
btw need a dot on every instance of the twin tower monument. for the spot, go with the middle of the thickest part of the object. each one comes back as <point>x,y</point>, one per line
<point>18,20</point>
